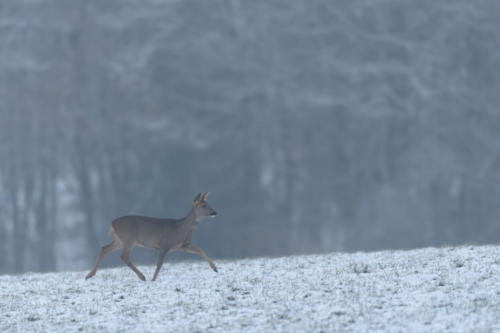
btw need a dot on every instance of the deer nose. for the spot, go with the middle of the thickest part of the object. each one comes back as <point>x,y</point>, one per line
<point>214,213</point>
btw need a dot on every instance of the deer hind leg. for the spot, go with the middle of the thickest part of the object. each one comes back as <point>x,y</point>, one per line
<point>114,245</point>
<point>195,250</point>
<point>127,249</point>
<point>161,256</point>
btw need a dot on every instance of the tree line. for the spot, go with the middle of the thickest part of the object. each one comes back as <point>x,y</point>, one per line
<point>317,126</point>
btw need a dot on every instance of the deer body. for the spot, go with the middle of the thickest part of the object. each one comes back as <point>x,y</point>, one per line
<point>151,232</point>
<point>165,235</point>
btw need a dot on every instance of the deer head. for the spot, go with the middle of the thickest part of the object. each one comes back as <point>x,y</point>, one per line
<point>201,207</point>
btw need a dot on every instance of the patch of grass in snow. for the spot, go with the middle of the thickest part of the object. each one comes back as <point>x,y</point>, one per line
<point>445,289</point>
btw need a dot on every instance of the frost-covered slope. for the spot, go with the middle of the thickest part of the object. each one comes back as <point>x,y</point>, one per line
<point>445,289</point>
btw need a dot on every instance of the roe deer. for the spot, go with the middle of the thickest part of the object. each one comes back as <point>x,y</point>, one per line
<point>165,235</point>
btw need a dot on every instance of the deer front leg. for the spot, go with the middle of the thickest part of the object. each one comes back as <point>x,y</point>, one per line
<point>195,250</point>
<point>161,256</point>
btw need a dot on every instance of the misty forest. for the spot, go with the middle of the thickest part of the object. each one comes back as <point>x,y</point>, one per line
<point>317,125</point>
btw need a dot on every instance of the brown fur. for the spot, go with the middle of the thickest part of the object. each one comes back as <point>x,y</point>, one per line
<point>165,235</point>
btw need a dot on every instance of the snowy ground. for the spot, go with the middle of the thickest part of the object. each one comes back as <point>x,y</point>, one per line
<point>439,290</point>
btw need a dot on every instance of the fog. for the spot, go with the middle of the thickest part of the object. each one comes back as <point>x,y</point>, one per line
<point>316,125</point>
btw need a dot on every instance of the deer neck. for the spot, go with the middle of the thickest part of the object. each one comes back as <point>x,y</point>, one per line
<point>191,220</point>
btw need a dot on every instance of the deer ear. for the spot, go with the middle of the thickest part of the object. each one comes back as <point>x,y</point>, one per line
<point>205,196</point>
<point>198,197</point>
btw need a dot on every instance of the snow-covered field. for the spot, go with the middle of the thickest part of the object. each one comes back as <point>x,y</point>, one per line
<point>434,289</point>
